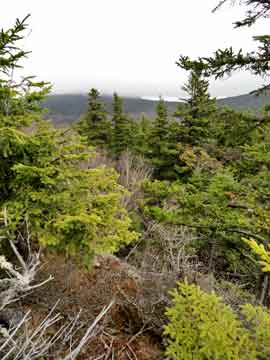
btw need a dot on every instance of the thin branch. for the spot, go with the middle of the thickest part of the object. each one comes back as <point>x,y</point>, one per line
<point>89,331</point>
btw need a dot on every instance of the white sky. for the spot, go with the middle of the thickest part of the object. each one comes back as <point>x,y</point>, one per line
<point>129,46</point>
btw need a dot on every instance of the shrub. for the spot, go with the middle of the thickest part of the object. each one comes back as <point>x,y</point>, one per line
<point>258,322</point>
<point>201,327</point>
<point>44,174</point>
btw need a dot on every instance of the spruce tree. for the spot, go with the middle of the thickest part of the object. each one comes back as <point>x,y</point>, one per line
<point>195,113</point>
<point>42,180</point>
<point>140,131</point>
<point>199,101</point>
<point>94,123</point>
<point>202,327</point>
<point>162,150</point>
<point>117,108</point>
<point>160,129</point>
<point>122,127</point>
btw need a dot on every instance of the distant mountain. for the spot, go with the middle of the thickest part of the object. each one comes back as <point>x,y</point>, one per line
<point>247,101</point>
<point>67,108</point>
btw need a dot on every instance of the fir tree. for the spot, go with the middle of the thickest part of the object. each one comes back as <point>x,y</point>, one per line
<point>161,122</point>
<point>122,127</point>
<point>94,124</point>
<point>195,114</point>
<point>202,327</point>
<point>162,150</point>
<point>117,108</point>
<point>199,102</point>
<point>141,135</point>
<point>42,180</point>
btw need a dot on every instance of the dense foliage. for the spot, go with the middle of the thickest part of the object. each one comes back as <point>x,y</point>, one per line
<point>45,177</point>
<point>210,176</point>
<point>202,327</point>
<point>210,173</point>
<point>202,171</point>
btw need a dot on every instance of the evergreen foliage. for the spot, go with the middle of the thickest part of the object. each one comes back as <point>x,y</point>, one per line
<point>162,149</point>
<point>225,61</point>
<point>202,327</point>
<point>95,124</point>
<point>121,128</point>
<point>257,9</point>
<point>257,321</point>
<point>44,176</point>
<point>211,175</point>
<point>261,252</point>
<point>195,114</point>
<point>72,208</point>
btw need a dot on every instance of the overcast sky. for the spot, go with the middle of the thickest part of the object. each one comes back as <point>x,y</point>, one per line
<point>129,46</point>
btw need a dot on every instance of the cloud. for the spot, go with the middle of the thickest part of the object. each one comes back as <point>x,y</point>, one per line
<point>126,45</point>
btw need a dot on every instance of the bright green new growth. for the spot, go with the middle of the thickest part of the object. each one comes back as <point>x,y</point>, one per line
<point>68,205</point>
<point>257,319</point>
<point>261,252</point>
<point>45,177</point>
<point>201,327</point>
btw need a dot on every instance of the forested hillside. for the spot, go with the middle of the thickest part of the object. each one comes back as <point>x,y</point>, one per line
<point>135,237</point>
<point>67,108</point>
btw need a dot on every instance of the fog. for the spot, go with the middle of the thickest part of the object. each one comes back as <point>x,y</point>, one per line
<point>128,46</point>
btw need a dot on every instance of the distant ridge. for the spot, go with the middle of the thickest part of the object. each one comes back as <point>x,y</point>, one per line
<point>246,101</point>
<point>67,108</point>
